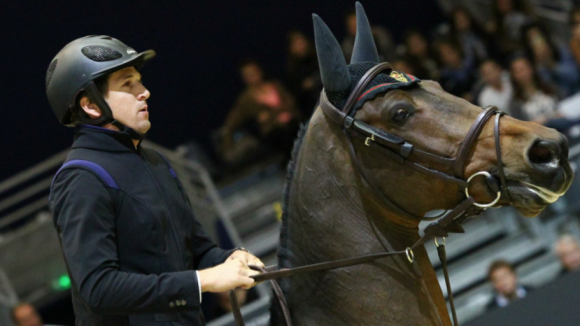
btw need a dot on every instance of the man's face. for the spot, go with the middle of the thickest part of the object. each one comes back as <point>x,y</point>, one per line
<point>522,71</point>
<point>251,74</point>
<point>491,73</point>
<point>351,24</point>
<point>569,254</point>
<point>504,281</point>
<point>417,45</point>
<point>127,98</point>
<point>26,315</point>
<point>449,55</point>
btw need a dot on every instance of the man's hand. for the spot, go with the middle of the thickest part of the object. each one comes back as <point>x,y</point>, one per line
<point>233,273</point>
<point>246,257</point>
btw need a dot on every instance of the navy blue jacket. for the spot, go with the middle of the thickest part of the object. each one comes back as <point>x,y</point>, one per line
<point>130,242</point>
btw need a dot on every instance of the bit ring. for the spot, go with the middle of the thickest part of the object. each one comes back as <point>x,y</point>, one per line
<point>485,173</point>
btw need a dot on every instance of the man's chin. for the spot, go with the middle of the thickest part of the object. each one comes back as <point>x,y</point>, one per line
<point>143,127</point>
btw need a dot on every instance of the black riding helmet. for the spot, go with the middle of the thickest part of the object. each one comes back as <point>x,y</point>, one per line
<point>76,67</point>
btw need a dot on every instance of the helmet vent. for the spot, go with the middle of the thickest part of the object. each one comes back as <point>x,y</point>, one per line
<point>50,71</point>
<point>101,53</point>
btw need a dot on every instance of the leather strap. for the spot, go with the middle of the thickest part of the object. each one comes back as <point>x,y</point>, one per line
<point>362,84</point>
<point>332,112</point>
<point>499,160</point>
<point>445,225</point>
<point>277,290</point>
<point>394,207</point>
<point>443,258</point>
<point>470,138</point>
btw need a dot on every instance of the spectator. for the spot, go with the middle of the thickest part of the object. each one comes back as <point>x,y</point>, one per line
<point>534,100</point>
<point>554,64</point>
<point>302,73</point>
<point>25,314</point>
<point>456,74</point>
<point>504,279</point>
<point>509,18</point>
<point>382,37</point>
<point>407,65</point>
<point>568,251</point>
<point>497,89</point>
<point>417,49</point>
<point>265,109</point>
<point>471,37</point>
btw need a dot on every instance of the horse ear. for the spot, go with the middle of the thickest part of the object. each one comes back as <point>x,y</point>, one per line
<point>364,44</point>
<point>335,75</point>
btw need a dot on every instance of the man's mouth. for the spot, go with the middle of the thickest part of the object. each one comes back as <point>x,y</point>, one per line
<point>144,109</point>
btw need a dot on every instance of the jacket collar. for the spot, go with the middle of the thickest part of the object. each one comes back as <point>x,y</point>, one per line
<point>103,139</point>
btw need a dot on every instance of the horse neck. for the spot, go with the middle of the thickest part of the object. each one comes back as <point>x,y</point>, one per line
<point>329,214</point>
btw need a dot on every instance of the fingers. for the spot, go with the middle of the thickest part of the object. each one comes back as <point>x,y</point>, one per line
<point>246,257</point>
<point>239,262</point>
<point>247,283</point>
<point>246,279</point>
<point>258,263</point>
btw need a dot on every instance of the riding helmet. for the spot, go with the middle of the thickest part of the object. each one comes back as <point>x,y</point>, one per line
<point>75,68</point>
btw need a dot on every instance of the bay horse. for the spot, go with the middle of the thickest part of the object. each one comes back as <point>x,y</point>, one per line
<point>332,212</point>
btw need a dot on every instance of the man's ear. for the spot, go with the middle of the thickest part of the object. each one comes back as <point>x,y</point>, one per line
<point>90,108</point>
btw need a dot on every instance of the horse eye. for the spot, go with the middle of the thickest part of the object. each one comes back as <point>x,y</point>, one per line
<point>401,115</point>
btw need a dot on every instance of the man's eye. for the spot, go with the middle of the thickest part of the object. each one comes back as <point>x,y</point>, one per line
<point>401,115</point>
<point>128,83</point>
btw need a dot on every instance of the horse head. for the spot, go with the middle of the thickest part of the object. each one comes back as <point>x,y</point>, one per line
<point>423,116</point>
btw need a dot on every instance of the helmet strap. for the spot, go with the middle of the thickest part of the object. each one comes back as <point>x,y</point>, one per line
<point>132,132</point>
<point>107,114</point>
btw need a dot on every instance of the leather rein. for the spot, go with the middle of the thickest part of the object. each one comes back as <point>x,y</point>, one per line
<point>401,151</point>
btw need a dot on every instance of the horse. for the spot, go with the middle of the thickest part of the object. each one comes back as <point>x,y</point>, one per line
<point>345,199</point>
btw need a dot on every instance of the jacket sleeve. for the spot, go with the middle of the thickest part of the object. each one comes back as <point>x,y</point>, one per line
<point>84,216</point>
<point>213,256</point>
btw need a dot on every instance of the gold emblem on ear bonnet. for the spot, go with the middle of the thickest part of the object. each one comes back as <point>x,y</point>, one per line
<point>398,76</point>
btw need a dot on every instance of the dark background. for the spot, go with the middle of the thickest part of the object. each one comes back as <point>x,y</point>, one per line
<point>193,79</point>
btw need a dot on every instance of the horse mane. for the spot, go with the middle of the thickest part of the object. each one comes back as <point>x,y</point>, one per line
<point>284,253</point>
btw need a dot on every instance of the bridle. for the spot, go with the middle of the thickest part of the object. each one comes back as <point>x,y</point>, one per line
<point>405,153</point>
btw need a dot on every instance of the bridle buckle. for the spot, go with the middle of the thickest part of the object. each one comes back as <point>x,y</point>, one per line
<point>369,140</point>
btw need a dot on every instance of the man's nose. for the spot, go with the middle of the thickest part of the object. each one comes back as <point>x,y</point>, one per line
<point>144,95</point>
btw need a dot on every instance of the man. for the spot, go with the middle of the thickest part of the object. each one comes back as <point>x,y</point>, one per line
<point>132,247</point>
<point>497,89</point>
<point>504,279</point>
<point>568,252</point>
<point>266,109</point>
<point>25,315</point>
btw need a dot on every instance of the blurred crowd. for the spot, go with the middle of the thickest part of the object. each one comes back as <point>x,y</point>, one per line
<point>504,278</point>
<point>511,61</point>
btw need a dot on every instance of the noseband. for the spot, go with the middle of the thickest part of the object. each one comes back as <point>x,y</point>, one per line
<point>405,153</point>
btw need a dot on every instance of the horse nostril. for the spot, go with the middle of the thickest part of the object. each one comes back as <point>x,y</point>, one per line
<point>544,152</point>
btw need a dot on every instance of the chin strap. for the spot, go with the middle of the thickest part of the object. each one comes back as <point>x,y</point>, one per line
<point>107,114</point>
<point>132,132</point>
